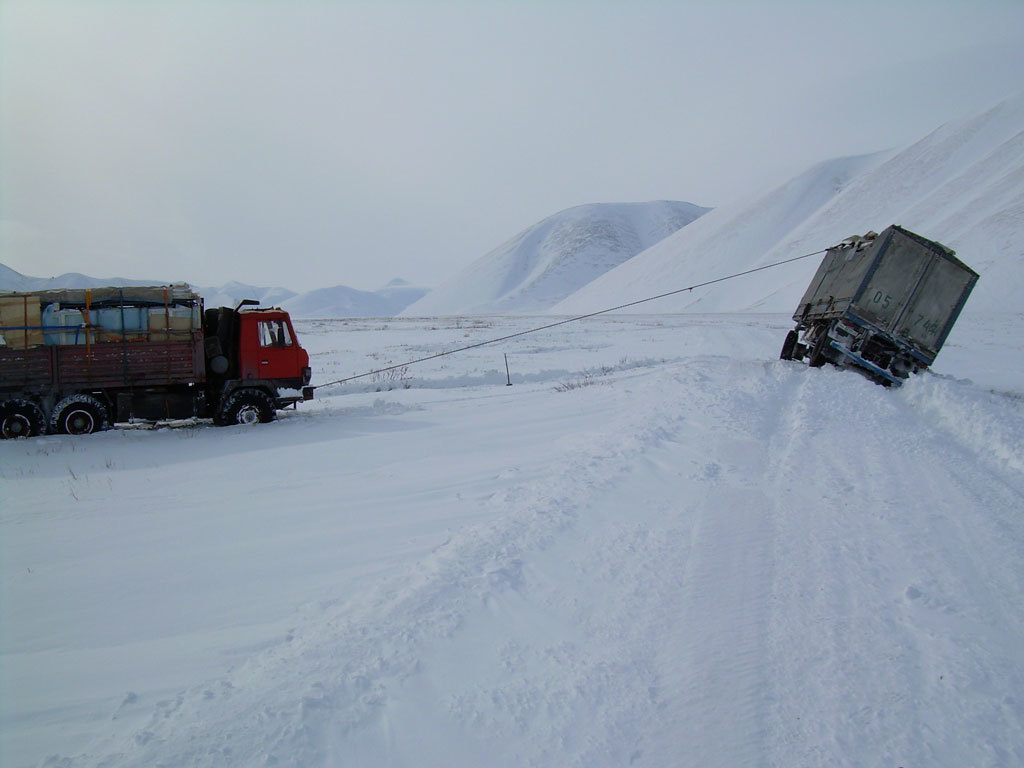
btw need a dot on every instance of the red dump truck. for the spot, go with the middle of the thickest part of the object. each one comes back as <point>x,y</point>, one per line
<point>76,361</point>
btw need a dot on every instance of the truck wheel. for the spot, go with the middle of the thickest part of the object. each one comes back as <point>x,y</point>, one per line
<point>79,415</point>
<point>20,418</point>
<point>789,345</point>
<point>817,358</point>
<point>246,406</point>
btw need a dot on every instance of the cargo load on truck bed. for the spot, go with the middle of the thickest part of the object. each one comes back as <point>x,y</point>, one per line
<point>883,303</point>
<point>99,315</point>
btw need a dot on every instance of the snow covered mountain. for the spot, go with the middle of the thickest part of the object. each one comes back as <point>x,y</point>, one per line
<point>400,294</point>
<point>550,260</point>
<point>15,281</point>
<point>229,294</point>
<point>962,185</point>
<point>336,301</point>
<point>341,301</point>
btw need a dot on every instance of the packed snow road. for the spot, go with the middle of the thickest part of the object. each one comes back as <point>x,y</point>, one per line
<point>661,546</point>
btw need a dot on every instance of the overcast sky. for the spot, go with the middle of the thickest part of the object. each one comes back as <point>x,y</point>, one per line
<point>307,144</point>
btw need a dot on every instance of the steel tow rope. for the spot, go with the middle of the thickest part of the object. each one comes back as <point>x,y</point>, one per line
<point>565,321</point>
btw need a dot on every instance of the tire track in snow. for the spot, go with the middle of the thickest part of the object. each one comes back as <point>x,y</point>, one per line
<point>717,672</point>
<point>668,575</point>
<point>819,511</point>
<point>887,615</point>
<point>324,693</point>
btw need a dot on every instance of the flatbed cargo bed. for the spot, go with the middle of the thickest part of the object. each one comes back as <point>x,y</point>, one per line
<point>99,366</point>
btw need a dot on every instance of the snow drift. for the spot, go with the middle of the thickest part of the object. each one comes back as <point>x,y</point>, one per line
<point>550,260</point>
<point>962,185</point>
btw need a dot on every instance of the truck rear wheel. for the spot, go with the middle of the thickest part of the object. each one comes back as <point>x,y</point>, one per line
<point>79,415</point>
<point>789,345</point>
<point>817,358</point>
<point>246,406</point>
<point>20,418</point>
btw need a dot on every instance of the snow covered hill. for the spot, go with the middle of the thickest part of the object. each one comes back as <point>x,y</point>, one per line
<point>552,259</point>
<point>962,185</point>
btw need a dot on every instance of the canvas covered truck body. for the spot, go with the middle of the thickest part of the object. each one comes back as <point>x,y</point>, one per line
<point>881,303</point>
<point>76,361</point>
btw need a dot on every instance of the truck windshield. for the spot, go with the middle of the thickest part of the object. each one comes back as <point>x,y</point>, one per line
<point>274,333</point>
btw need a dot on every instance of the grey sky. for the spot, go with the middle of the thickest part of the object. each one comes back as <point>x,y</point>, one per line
<point>308,144</point>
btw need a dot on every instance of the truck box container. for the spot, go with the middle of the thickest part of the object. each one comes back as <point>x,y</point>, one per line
<point>883,302</point>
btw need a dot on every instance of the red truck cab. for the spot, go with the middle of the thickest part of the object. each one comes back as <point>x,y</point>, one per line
<point>268,349</point>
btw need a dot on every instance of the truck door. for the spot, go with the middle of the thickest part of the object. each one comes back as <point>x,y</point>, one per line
<point>268,347</point>
<point>278,353</point>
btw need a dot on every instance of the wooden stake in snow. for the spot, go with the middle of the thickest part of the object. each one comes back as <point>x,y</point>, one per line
<point>508,376</point>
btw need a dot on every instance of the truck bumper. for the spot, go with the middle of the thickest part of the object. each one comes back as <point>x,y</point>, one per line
<point>858,360</point>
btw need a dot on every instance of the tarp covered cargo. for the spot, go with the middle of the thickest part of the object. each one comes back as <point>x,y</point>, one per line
<point>72,316</point>
<point>178,293</point>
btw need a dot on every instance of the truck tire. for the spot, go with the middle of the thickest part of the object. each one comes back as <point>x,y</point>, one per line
<point>789,345</point>
<point>79,415</point>
<point>246,406</point>
<point>20,418</point>
<point>817,358</point>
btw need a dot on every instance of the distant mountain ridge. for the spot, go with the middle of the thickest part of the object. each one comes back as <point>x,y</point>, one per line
<point>550,260</point>
<point>229,294</point>
<point>15,281</point>
<point>337,301</point>
<point>341,301</point>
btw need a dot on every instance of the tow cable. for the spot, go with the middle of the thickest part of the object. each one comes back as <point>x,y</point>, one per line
<point>563,322</point>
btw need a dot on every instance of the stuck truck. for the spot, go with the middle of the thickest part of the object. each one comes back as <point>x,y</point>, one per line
<point>76,361</point>
<point>882,304</point>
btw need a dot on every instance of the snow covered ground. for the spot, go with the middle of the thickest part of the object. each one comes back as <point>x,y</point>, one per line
<point>660,546</point>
